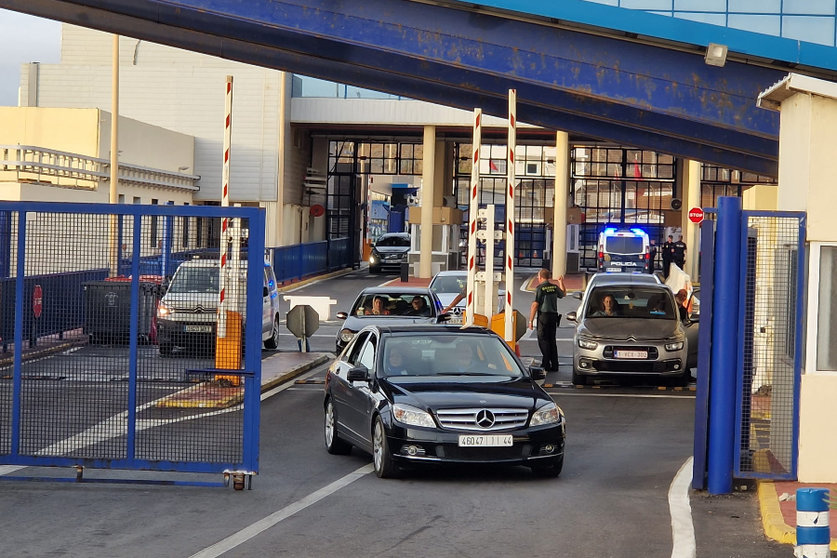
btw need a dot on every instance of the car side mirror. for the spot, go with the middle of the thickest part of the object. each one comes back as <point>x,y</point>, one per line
<point>577,295</point>
<point>572,316</point>
<point>342,315</point>
<point>443,317</point>
<point>265,292</point>
<point>358,374</point>
<point>537,372</point>
<point>694,317</point>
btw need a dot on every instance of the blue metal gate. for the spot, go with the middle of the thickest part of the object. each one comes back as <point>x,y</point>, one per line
<point>750,349</point>
<point>83,383</point>
<point>770,357</point>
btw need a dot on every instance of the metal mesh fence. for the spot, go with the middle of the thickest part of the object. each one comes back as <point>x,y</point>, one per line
<point>106,367</point>
<point>768,383</point>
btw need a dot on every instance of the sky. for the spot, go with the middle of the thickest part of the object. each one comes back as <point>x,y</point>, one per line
<point>24,38</point>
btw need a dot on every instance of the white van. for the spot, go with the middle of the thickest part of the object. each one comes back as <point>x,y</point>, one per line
<point>187,313</point>
<point>624,250</point>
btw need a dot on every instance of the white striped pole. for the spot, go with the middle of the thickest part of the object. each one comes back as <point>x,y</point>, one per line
<point>510,177</point>
<point>225,222</point>
<point>473,217</point>
<point>813,535</point>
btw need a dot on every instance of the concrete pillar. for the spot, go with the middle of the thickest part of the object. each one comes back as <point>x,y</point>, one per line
<point>807,166</point>
<point>559,216</point>
<point>691,198</point>
<point>428,189</point>
<point>273,216</point>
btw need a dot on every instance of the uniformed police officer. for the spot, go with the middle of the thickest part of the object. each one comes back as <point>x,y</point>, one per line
<point>545,307</point>
<point>668,254</point>
<point>679,252</point>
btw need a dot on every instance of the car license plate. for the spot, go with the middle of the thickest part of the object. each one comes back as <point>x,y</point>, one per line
<point>630,354</point>
<point>485,441</point>
<point>455,319</point>
<point>197,329</point>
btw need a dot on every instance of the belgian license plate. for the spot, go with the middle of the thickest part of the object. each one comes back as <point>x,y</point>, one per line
<point>630,354</point>
<point>197,329</point>
<point>485,440</point>
<point>455,319</point>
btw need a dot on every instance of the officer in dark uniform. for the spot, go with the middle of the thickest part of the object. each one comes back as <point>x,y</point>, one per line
<point>679,252</point>
<point>668,255</point>
<point>545,306</point>
<point>652,255</point>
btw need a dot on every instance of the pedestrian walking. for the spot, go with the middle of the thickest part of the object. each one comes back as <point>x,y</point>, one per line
<point>668,254</point>
<point>545,308</point>
<point>679,252</point>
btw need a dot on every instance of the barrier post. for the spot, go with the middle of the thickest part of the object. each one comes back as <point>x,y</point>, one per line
<point>813,535</point>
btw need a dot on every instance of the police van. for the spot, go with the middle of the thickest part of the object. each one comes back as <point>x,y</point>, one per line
<point>623,250</point>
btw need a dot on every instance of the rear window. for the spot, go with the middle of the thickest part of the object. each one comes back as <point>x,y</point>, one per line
<point>394,240</point>
<point>624,245</point>
<point>448,284</point>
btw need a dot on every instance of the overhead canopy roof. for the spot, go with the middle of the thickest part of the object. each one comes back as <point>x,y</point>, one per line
<point>616,85</point>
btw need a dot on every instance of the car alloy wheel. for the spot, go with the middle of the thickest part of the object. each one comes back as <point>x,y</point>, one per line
<point>333,443</point>
<point>381,458</point>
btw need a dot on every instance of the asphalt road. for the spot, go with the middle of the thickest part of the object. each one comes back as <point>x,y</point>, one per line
<point>625,446</point>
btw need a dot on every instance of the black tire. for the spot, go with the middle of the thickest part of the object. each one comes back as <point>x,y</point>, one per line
<point>552,469</point>
<point>579,379</point>
<point>273,341</point>
<point>381,457</point>
<point>334,445</point>
<point>165,349</point>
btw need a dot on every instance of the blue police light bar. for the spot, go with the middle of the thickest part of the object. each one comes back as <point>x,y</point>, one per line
<point>610,230</point>
<point>637,231</point>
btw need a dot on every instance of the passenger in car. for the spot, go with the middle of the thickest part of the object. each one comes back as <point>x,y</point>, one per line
<point>418,307</point>
<point>609,307</point>
<point>379,306</point>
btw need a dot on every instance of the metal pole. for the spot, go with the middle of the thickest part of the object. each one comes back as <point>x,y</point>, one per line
<point>473,216</point>
<point>510,178</point>
<point>114,157</point>
<point>725,343</point>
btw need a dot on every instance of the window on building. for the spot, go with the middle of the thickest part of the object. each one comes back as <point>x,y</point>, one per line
<point>827,310</point>
<point>153,236</point>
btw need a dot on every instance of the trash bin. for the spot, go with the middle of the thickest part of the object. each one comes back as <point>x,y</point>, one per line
<point>107,311</point>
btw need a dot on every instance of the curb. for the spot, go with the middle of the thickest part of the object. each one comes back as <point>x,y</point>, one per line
<point>293,372</point>
<point>309,280</point>
<point>772,519</point>
<point>38,353</point>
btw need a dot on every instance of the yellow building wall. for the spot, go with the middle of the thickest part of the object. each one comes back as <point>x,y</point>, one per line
<point>61,129</point>
<point>760,198</point>
<point>818,415</point>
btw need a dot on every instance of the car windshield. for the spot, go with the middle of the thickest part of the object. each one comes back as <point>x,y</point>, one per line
<point>393,240</point>
<point>448,284</point>
<point>630,301</point>
<point>393,304</point>
<point>448,355</point>
<point>190,279</point>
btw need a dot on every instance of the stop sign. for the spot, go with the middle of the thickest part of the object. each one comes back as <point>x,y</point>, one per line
<point>37,301</point>
<point>696,215</point>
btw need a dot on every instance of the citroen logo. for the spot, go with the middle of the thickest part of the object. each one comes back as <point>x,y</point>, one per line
<point>485,419</point>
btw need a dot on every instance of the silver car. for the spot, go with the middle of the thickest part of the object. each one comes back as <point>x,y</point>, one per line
<point>630,327</point>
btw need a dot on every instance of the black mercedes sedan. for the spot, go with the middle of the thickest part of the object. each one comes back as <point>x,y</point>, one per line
<point>440,394</point>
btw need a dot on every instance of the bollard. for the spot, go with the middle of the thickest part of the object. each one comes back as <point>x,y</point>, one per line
<point>405,272</point>
<point>812,532</point>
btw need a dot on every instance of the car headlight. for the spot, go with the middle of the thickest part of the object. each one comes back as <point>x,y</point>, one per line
<point>587,344</point>
<point>412,416</point>
<point>548,414</point>
<point>346,335</point>
<point>676,346</point>
<point>373,259</point>
<point>163,310</point>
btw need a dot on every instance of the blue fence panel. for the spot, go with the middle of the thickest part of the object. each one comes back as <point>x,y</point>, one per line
<point>297,261</point>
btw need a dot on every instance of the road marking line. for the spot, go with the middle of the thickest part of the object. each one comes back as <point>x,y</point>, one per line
<point>682,528</point>
<point>251,531</point>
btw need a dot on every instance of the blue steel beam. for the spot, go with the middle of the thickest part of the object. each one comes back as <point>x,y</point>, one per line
<point>597,86</point>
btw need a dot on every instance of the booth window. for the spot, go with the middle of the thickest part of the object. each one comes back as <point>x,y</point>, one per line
<point>827,311</point>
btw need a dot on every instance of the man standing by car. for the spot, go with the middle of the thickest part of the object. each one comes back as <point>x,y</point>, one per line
<point>545,307</point>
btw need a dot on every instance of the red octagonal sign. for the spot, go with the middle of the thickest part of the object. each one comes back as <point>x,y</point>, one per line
<point>37,301</point>
<point>696,215</point>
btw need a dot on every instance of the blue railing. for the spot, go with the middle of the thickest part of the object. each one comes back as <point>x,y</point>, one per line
<point>298,261</point>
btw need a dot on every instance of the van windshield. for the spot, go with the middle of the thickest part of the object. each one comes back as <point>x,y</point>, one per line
<point>624,245</point>
<point>195,280</point>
